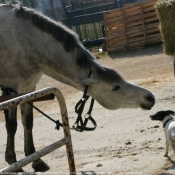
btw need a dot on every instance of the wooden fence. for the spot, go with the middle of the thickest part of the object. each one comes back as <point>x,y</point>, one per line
<point>134,25</point>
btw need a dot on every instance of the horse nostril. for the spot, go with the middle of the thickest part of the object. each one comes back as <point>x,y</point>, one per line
<point>150,98</point>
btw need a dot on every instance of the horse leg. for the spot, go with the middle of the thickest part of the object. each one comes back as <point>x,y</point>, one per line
<point>11,127</point>
<point>27,121</point>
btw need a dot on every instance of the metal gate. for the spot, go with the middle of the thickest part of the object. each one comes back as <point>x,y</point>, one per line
<point>64,141</point>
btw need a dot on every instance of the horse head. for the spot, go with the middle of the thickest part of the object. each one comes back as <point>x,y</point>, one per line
<point>109,88</point>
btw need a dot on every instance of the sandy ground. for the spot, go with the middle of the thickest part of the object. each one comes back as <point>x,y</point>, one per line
<point>126,141</point>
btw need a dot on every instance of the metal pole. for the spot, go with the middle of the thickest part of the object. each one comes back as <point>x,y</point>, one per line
<point>25,161</point>
<point>66,129</point>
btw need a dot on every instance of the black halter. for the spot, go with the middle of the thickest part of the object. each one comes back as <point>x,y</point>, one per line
<point>79,125</point>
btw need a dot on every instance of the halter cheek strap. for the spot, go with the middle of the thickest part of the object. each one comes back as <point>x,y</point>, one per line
<point>79,125</point>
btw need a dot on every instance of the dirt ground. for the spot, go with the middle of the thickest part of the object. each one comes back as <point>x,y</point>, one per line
<point>126,141</point>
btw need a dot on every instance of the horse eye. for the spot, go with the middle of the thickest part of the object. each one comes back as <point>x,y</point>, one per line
<point>117,87</point>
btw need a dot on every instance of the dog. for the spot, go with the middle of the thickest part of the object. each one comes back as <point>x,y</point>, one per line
<point>166,117</point>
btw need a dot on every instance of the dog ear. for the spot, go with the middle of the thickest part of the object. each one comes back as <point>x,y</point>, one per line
<point>170,112</point>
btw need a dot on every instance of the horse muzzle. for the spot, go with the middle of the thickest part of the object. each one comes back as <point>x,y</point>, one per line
<point>149,102</point>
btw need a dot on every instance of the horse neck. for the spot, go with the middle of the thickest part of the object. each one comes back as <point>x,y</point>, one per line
<point>59,64</point>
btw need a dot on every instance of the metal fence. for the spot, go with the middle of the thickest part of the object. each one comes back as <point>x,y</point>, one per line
<point>87,22</point>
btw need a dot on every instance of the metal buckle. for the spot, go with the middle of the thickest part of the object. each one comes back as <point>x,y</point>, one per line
<point>84,99</point>
<point>75,126</point>
<point>87,115</point>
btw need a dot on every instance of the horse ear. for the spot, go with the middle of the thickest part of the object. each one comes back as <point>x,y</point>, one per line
<point>88,81</point>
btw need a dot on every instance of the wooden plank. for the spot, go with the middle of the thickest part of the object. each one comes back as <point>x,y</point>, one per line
<point>114,14</point>
<point>117,44</point>
<point>116,27</point>
<point>153,40</point>
<point>117,12</point>
<point>130,40</point>
<point>147,20</point>
<point>114,41</point>
<point>134,34</point>
<point>140,28</point>
<point>115,30</point>
<point>134,9</point>
<point>118,31</point>
<point>129,35</point>
<point>114,49</point>
<point>136,44</point>
<point>136,39</point>
<point>156,29</point>
<point>144,42</point>
<point>154,35</point>
<point>148,9</point>
<point>133,12</point>
<point>135,23</point>
<point>119,21</point>
<point>145,10</point>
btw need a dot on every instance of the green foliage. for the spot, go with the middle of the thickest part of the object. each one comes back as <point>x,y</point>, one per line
<point>166,13</point>
<point>103,54</point>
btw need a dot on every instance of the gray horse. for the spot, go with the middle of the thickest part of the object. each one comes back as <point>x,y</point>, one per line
<point>31,45</point>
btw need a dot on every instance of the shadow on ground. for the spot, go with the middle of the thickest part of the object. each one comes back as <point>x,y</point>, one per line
<point>137,52</point>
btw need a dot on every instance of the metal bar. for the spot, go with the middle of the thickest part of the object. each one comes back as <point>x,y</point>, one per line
<point>94,26</point>
<point>66,129</point>
<point>23,162</point>
<point>40,93</point>
<point>29,97</point>
<point>9,97</point>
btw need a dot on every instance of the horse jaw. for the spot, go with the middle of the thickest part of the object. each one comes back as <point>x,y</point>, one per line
<point>131,96</point>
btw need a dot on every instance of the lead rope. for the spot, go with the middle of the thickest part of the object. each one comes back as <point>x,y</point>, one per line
<point>8,91</point>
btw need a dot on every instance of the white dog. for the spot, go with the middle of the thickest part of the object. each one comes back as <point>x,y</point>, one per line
<point>166,117</point>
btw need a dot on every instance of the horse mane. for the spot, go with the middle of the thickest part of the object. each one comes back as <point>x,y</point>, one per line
<point>69,39</point>
<point>44,23</point>
<point>63,34</point>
